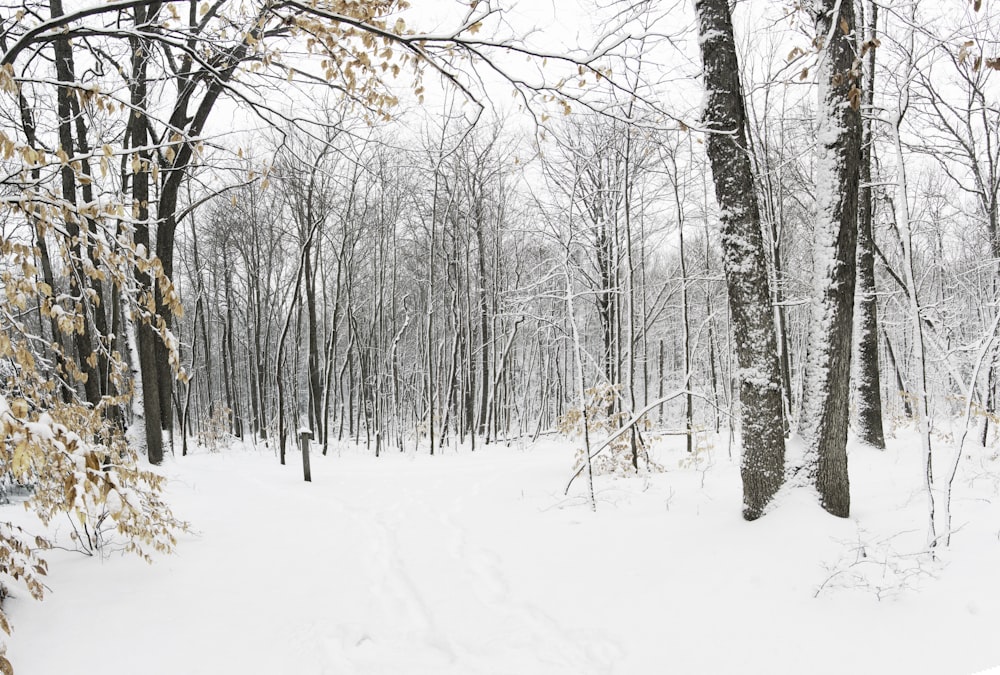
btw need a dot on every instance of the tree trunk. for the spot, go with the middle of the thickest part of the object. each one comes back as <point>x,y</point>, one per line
<point>137,133</point>
<point>762,465</point>
<point>83,339</point>
<point>235,407</point>
<point>826,393</point>
<point>868,381</point>
<point>484,335</point>
<point>315,389</point>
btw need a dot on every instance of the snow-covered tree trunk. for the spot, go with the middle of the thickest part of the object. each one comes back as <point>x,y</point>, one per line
<point>137,132</point>
<point>762,467</point>
<point>826,392</point>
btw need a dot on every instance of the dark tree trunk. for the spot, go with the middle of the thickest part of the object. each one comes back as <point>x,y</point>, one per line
<point>605,299</point>
<point>83,339</point>
<point>315,388</point>
<point>146,337</point>
<point>784,361</point>
<point>259,371</point>
<point>164,371</point>
<point>234,414</point>
<point>869,385</point>
<point>98,307</point>
<point>762,467</point>
<point>201,323</point>
<point>991,406</point>
<point>183,152</point>
<point>228,366</point>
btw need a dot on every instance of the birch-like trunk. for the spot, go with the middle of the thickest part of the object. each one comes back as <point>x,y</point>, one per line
<point>922,408</point>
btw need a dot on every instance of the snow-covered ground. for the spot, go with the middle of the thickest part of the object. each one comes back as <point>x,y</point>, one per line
<point>471,564</point>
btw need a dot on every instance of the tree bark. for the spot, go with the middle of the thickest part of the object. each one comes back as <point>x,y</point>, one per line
<point>826,394</point>
<point>762,465</point>
<point>83,340</point>
<point>146,337</point>
<point>868,380</point>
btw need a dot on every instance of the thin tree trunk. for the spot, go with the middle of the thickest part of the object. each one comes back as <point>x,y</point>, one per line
<point>315,391</point>
<point>685,315</point>
<point>234,416</point>
<point>581,391</point>
<point>280,350</point>
<point>990,406</point>
<point>868,380</point>
<point>901,387</point>
<point>921,394</point>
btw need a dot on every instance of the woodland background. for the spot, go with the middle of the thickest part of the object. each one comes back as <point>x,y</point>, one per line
<point>419,228</point>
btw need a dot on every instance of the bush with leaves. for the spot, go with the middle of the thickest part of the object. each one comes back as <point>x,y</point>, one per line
<point>215,435</point>
<point>79,465</point>
<point>63,384</point>
<point>604,420</point>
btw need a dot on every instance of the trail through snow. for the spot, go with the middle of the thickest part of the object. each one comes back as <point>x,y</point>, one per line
<point>475,564</point>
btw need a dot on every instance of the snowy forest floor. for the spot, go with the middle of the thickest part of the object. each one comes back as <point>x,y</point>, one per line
<point>476,564</point>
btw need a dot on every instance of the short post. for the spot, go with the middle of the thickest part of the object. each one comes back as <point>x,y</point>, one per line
<point>304,436</point>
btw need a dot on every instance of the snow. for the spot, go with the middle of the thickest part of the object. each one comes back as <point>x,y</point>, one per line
<point>708,35</point>
<point>475,563</point>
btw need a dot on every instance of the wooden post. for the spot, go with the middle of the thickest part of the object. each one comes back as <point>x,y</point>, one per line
<point>304,436</point>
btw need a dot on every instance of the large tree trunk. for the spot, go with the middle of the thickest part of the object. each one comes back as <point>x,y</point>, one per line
<point>762,467</point>
<point>868,382</point>
<point>826,394</point>
<point>183,149</point>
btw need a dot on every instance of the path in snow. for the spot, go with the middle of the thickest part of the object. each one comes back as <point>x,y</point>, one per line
<point>476,565</point>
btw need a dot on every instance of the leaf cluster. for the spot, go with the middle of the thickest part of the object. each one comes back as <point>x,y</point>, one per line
<point>604,417</point>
